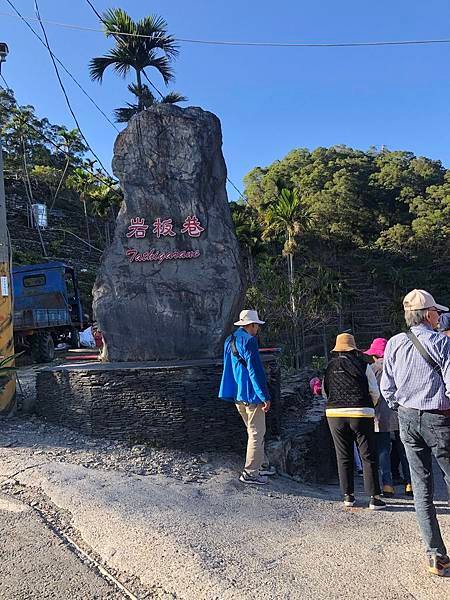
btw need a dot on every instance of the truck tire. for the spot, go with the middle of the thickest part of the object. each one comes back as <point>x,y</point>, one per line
<point>75,338</point>
<point>42,347</point>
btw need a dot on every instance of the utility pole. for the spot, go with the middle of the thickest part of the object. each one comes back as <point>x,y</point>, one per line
<point>8,380</point>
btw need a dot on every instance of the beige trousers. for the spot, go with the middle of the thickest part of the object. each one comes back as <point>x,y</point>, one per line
<point>255,422</point>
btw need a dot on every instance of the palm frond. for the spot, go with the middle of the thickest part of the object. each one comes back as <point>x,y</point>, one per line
<point>156,27</point>
<point>143,93</point>
<point>98,66</point>
<point>173,98</point>
<point>117,20</point>
<point>116,58</point>
<point>123,115</point>
<point>162,64</point>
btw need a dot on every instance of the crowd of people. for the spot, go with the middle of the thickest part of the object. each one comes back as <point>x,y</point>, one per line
<point>386,406</point>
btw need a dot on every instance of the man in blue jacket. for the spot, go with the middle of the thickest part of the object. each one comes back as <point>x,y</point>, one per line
<point>244,383</point>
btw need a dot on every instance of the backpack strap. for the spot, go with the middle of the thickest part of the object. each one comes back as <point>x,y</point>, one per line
<point>433,364</point>
<point>235,352</point>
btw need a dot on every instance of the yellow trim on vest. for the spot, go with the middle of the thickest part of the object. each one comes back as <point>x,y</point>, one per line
<point>335,412</point>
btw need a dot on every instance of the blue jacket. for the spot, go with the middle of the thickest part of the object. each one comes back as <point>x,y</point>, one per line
<point>239,383</point>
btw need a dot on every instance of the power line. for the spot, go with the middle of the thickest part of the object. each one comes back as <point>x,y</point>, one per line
<point>57,146</point>
<point>237,189</point>
<point>64,89</point>
<point>248,43</point>
<point>95,10</point>
<point>35,33</point>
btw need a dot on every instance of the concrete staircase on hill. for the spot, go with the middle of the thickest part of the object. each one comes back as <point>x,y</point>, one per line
<point>366,313</point>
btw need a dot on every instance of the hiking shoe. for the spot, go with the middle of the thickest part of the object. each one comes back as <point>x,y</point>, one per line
<point>439,565</point>
<point>388,491</point>
<point>376,504</point>
<point>267,471</point>
<point>255,479</point>
<point>349,500</point>
<point>409,490</point>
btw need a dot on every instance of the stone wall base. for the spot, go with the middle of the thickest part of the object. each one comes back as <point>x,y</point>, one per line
<point>165,404</point>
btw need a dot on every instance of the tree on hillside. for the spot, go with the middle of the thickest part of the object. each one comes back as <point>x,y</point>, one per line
<point>71,145</point>
<point>7,105</point>
<point>353,197</point>
<point>23,132</point>
<point>83,182</point>
<point>249,235</point>
<point>287,216</point>
<point>146,44</point>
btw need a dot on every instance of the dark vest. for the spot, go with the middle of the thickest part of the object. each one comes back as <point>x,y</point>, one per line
<point>345,382</point>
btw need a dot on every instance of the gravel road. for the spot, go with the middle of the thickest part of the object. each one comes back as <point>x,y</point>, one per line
<point>172,525</point>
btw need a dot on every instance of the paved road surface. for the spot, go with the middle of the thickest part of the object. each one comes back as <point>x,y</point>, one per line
<point>214,539</point>
<point>224,541</point>
<point>35,564</point>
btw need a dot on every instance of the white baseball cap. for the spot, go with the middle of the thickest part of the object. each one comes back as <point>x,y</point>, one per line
<point>420,300</point>
<point>247,317</point>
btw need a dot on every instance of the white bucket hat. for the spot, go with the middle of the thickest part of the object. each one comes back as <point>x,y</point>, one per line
<point>420,300</point>
<point>247,317</point>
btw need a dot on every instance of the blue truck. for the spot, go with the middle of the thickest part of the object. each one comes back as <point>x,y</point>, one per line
<point>47,308</point>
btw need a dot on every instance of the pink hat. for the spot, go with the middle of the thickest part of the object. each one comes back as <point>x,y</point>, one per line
<point>377,347</point>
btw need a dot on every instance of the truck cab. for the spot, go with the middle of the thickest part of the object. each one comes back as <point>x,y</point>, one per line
<point>47,308</point>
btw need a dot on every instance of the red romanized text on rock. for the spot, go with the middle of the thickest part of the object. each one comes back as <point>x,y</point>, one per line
<point>159,256</point>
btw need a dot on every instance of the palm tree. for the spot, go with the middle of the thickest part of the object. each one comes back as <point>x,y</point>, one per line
<point>288,217</point>
<point>145,100</point>
<point>138,45</point>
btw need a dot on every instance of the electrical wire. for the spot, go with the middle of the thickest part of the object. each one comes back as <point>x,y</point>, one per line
<point>95,10</point>
<point>248,43</point>
<point>103,181</point>
<point>64,90</point>
<point>236,188</point>
<point>35,33</point>
<point>109,184</point>
<point>28,188</point>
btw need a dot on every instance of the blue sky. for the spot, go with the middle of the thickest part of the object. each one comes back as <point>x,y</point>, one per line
<point>270,100</point>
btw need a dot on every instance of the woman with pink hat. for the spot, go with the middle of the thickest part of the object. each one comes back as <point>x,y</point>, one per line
<point>386,423</point>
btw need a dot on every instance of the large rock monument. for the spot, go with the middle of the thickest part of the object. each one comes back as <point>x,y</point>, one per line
<point>168,290</point>
<point>171,282</point>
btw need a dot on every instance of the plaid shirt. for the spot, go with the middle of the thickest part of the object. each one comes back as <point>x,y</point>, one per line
<point>408,380</point>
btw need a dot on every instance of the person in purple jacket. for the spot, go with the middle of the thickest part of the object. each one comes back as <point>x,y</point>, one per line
<point>244,382</point>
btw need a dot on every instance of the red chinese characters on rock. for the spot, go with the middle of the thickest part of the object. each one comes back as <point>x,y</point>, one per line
<point>137,228</point>
<point>163,227</point>
<point>192,227</point>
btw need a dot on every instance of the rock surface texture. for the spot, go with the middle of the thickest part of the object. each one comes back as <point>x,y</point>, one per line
<point>164,404</point>
<point>171,283</point>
